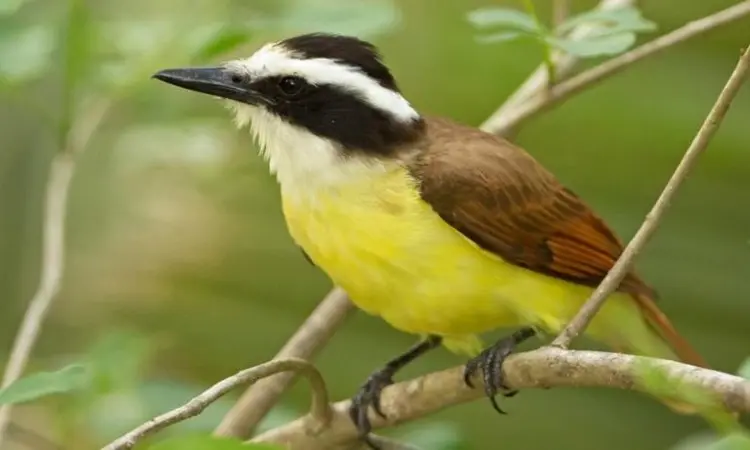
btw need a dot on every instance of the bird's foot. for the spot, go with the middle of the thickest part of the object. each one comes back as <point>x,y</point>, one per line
<point>369,395</point>
<point>491,360</point>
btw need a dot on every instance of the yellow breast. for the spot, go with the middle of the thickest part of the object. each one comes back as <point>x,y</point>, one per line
<point>396,258</point>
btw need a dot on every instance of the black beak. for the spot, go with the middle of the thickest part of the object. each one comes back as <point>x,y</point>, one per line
<point>210,80</point>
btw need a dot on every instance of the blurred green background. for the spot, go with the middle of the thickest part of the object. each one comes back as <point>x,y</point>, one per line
<point>181,270</point>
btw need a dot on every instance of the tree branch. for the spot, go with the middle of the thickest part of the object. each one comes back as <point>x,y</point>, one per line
<point>543,368</point>
<point>625,261</point>
<point>333,310</point>
<point>61,173</point>
<point>320,414</point>
<point>312,336</point>
<point>533,105</point>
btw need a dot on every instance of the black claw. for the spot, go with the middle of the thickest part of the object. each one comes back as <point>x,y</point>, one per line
<point>469,370</point>
<point>490,361</point>
<point>369,395</point>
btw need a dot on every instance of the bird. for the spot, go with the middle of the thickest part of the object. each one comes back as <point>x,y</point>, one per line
<point>441,229</point>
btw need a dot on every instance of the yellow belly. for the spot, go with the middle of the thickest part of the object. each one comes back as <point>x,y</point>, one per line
<point>396,258</point>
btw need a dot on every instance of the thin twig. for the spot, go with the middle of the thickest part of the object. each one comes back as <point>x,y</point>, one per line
<point>61,173</point>
<point>543,368</point>
<point>318,419</point>
<point>623,264</point>
<point>536,104</point>
<point>312,336</point>
<point>333,310</point>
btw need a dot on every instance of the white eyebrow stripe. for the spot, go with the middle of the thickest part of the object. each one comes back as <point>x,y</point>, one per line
<point>275,60</point>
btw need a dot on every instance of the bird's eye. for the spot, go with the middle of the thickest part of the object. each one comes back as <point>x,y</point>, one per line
<point>291,86</point>
<point>236,78</point>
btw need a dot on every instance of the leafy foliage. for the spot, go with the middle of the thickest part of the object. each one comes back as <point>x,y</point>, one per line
<point>111,364</point>
<point>41,384</point>
<point>615,31</point>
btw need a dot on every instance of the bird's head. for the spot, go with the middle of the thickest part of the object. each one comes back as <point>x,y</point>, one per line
<point>320,105</point>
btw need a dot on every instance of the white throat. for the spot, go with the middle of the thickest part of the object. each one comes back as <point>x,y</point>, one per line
<point>302,162</point>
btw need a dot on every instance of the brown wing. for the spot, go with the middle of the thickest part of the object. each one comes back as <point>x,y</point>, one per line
<point>498,196</point>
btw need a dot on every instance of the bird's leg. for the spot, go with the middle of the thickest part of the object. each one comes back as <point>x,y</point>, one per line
<point>369,394</point>
<point>491,362</point>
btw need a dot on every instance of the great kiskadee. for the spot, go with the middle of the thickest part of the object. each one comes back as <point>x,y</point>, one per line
<point>443,230</point>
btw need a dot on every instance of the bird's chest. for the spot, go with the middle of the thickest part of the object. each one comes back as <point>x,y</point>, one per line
<point>364,235</point>
<point>397,258</point>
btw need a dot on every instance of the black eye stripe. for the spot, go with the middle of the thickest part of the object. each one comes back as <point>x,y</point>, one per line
<point>335,113</point>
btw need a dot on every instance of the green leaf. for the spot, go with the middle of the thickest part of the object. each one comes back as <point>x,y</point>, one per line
<point>504,18</point>
<point>208,442</point>
<point>500,37</point>
<point>615,32</point>
<point>595,46</point>
<point>744,371</point>
<point>627,18</point>
<point>41,384</point>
